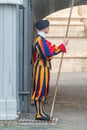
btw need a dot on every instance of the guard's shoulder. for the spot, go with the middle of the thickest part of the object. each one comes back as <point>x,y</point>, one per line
<point>38,39</point>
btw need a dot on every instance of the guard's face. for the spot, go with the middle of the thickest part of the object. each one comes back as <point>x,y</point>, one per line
<point>46,30</point>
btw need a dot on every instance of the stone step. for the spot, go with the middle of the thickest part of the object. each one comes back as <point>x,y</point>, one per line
<point>63,19</point>
<point>59,30</point>
<point>72,23</point>
<point>59,22</point>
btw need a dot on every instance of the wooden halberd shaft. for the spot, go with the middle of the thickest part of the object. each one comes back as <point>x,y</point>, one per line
<point>61,61</point>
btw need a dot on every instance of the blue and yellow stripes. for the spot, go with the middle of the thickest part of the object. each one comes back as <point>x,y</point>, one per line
<point>42,52</point>
<point>41,78</point>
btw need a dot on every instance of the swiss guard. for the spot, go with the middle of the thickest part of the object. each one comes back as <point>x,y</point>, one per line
<point>42,53</point>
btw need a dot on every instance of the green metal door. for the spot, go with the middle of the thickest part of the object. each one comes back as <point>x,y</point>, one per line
<point>24,40</point>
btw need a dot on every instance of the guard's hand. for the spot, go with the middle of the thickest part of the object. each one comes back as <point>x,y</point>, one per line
<point>66,41</point>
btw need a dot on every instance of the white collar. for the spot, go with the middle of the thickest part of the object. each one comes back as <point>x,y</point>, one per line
<point>43,34</point>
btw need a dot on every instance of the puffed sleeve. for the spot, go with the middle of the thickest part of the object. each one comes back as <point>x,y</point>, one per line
<point>54,50</point>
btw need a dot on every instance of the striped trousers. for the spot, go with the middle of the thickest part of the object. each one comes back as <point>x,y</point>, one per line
<point>41,77</point>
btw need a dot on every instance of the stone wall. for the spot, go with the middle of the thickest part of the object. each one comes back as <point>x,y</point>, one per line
<point>75,60</point>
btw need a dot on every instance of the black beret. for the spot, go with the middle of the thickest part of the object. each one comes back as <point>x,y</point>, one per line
<point>41,24</point>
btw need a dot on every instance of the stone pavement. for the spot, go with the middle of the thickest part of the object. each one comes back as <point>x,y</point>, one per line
<point>70,105</point>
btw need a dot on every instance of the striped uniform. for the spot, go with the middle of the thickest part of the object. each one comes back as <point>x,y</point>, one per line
<point>42,53</point>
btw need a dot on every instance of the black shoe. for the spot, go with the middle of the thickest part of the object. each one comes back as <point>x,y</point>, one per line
<point>46,114</point>
<point>41,117</point>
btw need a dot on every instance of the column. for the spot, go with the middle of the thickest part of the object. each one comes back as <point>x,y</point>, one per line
<point>8,100</point>
<point>82,10</point>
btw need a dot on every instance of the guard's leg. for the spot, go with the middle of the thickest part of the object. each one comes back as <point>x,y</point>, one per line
<point>40,115</point>
<point>42,110</point>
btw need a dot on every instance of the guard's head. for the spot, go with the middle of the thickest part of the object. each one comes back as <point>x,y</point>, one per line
<point>42,24</point>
